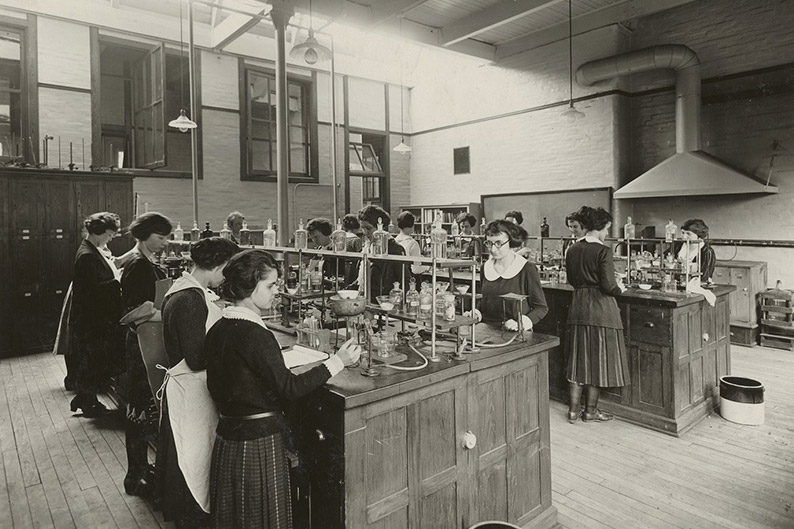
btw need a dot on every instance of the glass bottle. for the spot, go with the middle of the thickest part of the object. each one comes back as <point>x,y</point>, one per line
<point>226,233</point>
<point>305,279</point>
<point>393,231</point>
<point>412,299</point>
<point>245,235</point>
<point>339,237</point>
<point>396,295</point>
<point>301,237</point>
<point>456,243</point>
<point>195,233</point>
<point>629,231</point>
<point>449,306</point>
<point>380,240</point>
<point>425,302</point>
<point>269,236</point>
<point>670,231</point>
<point>179,233</point>
<point>544,228</point>
<point>207,231</point>
<point>438,239</point>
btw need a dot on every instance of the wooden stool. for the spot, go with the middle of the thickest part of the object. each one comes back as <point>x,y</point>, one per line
<point>777,319</point>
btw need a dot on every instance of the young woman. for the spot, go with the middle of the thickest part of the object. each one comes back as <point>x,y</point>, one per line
<point>247,378</point>
<point>594,336</point>
<point>189,416</point>
<point>138,282</point>
<point>692,230</point>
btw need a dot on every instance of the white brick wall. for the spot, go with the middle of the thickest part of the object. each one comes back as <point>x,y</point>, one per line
<point>66,115</point>
<point>64,53</point>
<point>220,86</point>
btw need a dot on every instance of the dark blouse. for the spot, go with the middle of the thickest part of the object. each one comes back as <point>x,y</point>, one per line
<point>184,328</point>
<point>138,282</point>
<point>591,271</point>
<point>246,374</point>
<point>526,282</point>
<point>383,274</point>
<point>708,260</point>
<point>96,295</point>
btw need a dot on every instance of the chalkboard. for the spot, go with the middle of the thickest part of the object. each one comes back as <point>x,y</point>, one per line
<point>554,205</point>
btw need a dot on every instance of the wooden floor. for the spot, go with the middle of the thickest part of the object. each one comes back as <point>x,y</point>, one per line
<point>61,470</point>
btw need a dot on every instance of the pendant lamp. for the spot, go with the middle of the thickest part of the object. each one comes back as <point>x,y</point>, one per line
<point>402,147</point>
<point>570,114</point>
<point>310,51</point>
<point>183,123</point>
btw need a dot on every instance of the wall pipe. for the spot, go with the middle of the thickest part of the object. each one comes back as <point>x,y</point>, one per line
<point>680,58</point>
<point>194,162</point>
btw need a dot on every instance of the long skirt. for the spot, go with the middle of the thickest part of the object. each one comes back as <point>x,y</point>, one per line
<point>597,356</point>
<point>249,483</point>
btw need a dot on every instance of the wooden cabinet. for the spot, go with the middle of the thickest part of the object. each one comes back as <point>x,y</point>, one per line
<point>42,214</point>
<point>425,215</point>
<point>400,459</point>
<point>749,278</point>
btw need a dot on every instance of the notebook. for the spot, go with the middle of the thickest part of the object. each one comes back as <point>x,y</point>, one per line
<point>299,355</point>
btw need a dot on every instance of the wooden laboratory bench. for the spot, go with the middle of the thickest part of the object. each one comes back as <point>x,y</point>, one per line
<point>678,346</point>
<point>390,451</point>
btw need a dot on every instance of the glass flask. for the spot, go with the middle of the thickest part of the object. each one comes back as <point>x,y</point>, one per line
<point>380,240</point>
<point>245,234</point>
<point>226,233</point>
<point>412,299</point>
<point>425,302</point>
<point>669,231</point>
<point>629,231</point>
<point>396,295</point>
<point>195,233</point>
<point>269,236</point>
<point>339,238</point>
<point>179,233</point>
<point>301,237</point>
<point>438,239</point>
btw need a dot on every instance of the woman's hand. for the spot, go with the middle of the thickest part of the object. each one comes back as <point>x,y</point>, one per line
<point>349,353</point>
<point>512,325</point>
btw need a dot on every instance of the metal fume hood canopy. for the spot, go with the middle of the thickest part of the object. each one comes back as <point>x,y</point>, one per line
<point>690,174</point>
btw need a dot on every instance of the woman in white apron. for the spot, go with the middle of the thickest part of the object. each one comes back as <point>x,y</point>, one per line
<point>189,416</point>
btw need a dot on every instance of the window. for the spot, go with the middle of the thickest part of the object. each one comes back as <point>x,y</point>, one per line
<point>460,159</point>
<point>142,88</point>
<point>367,177</point>
<point>260,126</point>
<point>12,135</point>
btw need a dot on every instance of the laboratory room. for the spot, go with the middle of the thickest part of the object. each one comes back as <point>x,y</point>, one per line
<point>369,264</point>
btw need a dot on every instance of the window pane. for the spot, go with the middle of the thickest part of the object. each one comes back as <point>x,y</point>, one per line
<point>356,164</point>
<point>146,80</point>
<point>148,137</point>
<point>10,123</point>
<point>260,130</point>
<point>159,134</point>
<point>157,74</point>
<point>297,158</point>
<point>259,97</point>
<point>260,156</point>
<point>10,53</point>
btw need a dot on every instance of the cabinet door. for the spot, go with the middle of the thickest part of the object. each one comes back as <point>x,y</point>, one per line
<point>741,296</point>
<point>650,377</point>
<point>25,323</point>
<point>722,275</point>
<point>27,214</point>
<point>88,198</point>
<point>408,450</point>
<point>118,199</point>
<point>511,469</point>
<point>5,307</point>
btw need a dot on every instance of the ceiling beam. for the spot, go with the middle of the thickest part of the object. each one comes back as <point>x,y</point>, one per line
<point>395,9</point>
<point>235,25</point>
<point>414,31</point>
<point>491,17</point>
<point>607,16</point>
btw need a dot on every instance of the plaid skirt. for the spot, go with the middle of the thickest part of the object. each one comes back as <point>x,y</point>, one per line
<point>597,356</point>
<point>249,484</point>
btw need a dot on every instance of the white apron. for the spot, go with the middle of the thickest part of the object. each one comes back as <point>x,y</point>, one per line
<point>191,410</point>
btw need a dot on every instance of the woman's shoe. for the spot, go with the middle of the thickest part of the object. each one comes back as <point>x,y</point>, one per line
<point>138,486</point>
<point>573,416</point>
<point>76,403</point>
<point>597,416</point>
<point>94,410</point>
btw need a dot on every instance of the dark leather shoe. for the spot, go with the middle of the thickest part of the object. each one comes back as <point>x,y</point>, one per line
<point>76,403</point>
<point>138,487</point>
<point>573,416</point>
<point>597,416</point>
<point>94,410</point>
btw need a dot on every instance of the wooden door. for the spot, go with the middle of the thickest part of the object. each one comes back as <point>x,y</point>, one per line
<point>650,377</point>
<point>88,198</point>
<point>5,294</point>
<point>510,467</point>
<point>26,208</point>
<point>741,302</point>
<point>408,451</point>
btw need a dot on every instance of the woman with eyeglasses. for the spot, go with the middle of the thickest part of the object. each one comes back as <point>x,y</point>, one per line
<point>594,335</point>
<point>507,272</point>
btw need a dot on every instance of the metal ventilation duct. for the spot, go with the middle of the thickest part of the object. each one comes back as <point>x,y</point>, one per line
<point>690,171</point>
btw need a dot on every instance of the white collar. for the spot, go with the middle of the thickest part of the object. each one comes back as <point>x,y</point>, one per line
<point>515,267</point>
<point>590,238</point>
<point>185,282</point>
<point>234,312</point>
<point>402,237</point>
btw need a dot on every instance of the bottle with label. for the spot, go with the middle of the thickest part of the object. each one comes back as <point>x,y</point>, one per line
<point>425,302</point>
<point>292,279</point>
<point>396,295</point>
<point>544,228</point>
<point>629,231</point>
<point>179,233</point>
<point>226,233</point>
<point>245,235</point>
<point>195,233</point>
<point>380,240</point>
<point>412,299</point>
<point>393,230</point>
<point>438,239</point>
<point>454,231</point>
<point>563,276</point>
<point>339,238</point>
<point>269,236</point>
<point>305,279</point>
<point>670,231</point>
<point>207,231</point>
<point>301,237</point>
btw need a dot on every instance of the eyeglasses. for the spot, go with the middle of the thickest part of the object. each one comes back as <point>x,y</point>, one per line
<point>495,244</point>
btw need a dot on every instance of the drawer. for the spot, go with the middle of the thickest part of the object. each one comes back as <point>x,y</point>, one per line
<point>649,325</point>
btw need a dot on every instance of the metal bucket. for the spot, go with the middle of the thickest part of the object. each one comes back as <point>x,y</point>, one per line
<point>742,400</point>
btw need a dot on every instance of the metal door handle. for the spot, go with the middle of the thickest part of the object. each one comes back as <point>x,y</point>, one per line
<point>469,440</point>
<point>59,291</point>
<point>320,435</point>
<point>28,294</point>
<point>744,290</point>
<point>649,324</point>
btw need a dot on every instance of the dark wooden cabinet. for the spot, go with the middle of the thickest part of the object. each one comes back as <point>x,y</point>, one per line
<point>42,216</point>
<point>749,278</point>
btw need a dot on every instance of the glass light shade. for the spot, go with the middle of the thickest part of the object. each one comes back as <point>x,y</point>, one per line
<point>183,123</point>
<point>310,51</point>
<point>571,114</point>
<point>401,147</point>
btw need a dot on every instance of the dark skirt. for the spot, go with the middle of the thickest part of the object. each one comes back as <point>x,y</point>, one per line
<point>249,483</point>
<point>597,356</point>
<point>97,353</point>
<point>177,501</point>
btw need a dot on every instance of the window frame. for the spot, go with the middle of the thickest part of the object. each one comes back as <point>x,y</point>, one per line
<point>28,83</point>
<point>368,178</point>
<point>308,91</point>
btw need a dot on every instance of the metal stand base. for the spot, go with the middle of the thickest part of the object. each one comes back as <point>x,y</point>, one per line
<point>436,358</point>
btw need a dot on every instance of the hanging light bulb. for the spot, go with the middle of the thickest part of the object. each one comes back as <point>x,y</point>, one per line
<point>402,147</point>
<point>570,114</point>
<point>183,123</point>
<point>311,56</point>
<point>310,50</point>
